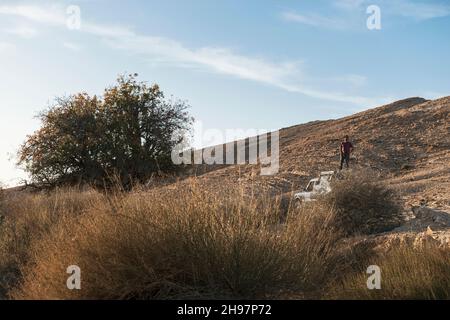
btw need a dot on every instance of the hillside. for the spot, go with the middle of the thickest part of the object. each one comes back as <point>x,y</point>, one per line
<point>407,142</point>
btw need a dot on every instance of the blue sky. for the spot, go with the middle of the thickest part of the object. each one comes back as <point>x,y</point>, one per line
<point>239,64</point>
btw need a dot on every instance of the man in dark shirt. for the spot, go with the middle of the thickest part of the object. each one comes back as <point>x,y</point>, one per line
<point>346,149</point>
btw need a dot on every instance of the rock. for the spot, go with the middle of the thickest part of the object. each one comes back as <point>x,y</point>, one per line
<point>426,219</point>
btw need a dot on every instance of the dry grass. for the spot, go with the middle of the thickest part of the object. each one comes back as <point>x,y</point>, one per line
<point>27,218</point>
<point>363,205</point>
<point>406,273</point>
<point>172,242</point>
<point>181,244</point>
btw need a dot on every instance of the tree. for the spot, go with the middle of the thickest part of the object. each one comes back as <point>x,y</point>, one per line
<point>128,134</point>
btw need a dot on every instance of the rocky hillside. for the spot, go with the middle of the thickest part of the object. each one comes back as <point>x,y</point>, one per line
<point>407,142</point>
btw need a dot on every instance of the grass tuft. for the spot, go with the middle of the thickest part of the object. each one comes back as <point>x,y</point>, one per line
<point>406,273</point>
<point>363,205</point>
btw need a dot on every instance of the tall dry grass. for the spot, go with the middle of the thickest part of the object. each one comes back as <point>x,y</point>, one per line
<point>181,244</point>
<point>27,218</point>
<point>185,241</point>
<point>406,273</point>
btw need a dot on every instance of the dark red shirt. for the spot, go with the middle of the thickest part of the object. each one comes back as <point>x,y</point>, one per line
<point>346,146</point>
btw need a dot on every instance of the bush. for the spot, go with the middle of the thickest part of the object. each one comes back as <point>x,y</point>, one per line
<point>363,205</point>
<point>181,244</point>
<point>406,273</point>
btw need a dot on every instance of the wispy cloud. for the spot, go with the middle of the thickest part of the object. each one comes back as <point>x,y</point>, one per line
<point>220,60</point>
<point>22,31</point>
<point>417,10</point>
<point>284,75</point>
<point>49,14</point>
<point>421,11</point>
<point>349,4</point>
<point>348,11</point>
<point>314,20</point>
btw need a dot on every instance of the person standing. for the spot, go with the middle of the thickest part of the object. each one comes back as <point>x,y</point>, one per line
<point>346,150</point>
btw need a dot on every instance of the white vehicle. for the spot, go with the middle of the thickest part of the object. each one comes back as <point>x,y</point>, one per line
<point>315,188</point>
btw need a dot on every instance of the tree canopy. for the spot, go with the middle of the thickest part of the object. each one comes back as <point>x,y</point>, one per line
<point>126,134</point>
